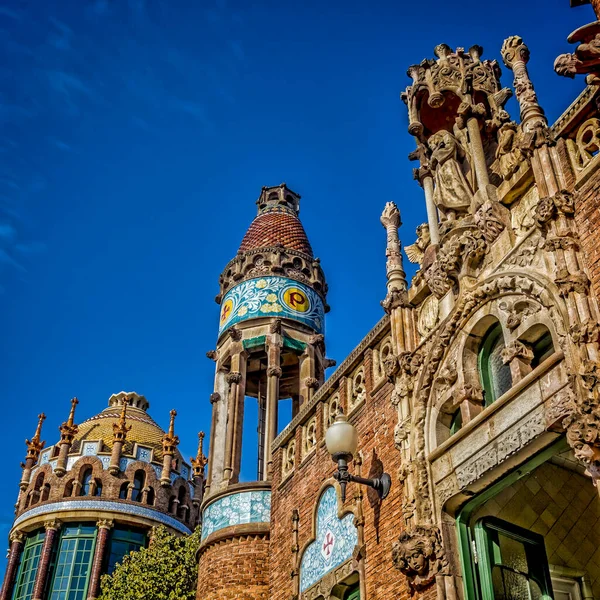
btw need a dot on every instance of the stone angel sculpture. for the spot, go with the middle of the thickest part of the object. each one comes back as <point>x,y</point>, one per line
<point>416,252</point>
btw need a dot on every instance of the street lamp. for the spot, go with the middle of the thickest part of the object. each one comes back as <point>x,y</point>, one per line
<point>341,440</point>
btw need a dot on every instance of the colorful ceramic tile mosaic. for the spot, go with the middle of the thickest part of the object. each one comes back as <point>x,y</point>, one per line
<point>334,543</point>
<point>119,507</point>
<point>272,297</point>
<point>235,509</point>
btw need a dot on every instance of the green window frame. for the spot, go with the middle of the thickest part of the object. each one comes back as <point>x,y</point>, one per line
<point>28,568</point>
<point>512,561</point>
<point>122,542</point>
<point>73,562</point>
<point>353,593</point>
<point>495,377</point>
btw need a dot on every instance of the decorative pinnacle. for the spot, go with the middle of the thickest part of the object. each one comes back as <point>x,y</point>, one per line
<point>121,428</point>
<point>68,429</point>
<point>200,461</point>
<point>35,445</point>
<point>74,403</point>
<point>170,440</point>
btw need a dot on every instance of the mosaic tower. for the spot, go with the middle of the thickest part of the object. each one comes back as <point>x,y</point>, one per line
<point>270,348</point>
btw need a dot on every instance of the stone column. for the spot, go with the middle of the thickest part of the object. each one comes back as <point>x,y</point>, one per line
<point>425,178</point>
<point>41,576</point>
<point>307,368</point>
<point>120,430</point>
<point>273,374</point>
<point>104,527</point>
<point>515,55</point>
<point>235,417</point>
<point>17,541</point>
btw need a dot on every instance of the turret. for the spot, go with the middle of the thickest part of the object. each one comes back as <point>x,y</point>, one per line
<point>34,447</point>
<point>68,431</point>
<point>169,442</point>
<point>120,430</point>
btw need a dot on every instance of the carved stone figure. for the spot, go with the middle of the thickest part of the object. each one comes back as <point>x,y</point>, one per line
<point>452,193</point>
<point>508,152</point>
<point>419,554</point>
<point>416,252</point>
<point>586,58</point>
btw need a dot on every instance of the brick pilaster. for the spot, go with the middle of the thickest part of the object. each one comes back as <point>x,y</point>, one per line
<point>17,541</point>
<point>41,576</point>
<point>104,527</point>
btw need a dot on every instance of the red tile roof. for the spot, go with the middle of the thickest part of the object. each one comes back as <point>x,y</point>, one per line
<point>275,228</point>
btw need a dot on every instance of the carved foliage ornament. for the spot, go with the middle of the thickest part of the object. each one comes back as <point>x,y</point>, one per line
<point>419,555</point>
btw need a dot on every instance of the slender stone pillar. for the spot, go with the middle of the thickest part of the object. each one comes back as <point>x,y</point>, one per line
<point>273,374</point>
<point>34,447</point>
<point>41,576</point>
<point>169,442</point>
<point>235,417</point>
<point>17,541</point>
<point>432,214</point>
<point>120,430</point>
<point>104,527</point>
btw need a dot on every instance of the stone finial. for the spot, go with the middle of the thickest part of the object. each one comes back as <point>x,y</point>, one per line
<point>396,277</point>
<point>200,461</point>
<point>121,428</point>
<point>35,445</point>
<point>515,55</point>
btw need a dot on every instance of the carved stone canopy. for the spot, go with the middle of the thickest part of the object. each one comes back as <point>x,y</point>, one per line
<point>440,86</point>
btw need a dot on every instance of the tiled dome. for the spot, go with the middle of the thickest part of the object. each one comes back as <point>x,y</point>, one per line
<point>276,226</point>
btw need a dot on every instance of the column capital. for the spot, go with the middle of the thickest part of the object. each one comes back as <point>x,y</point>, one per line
<point>105,524</point>
<point>17,536</point>
<point>52,525</point>
<point>274,371</point>
<point>233,377</point>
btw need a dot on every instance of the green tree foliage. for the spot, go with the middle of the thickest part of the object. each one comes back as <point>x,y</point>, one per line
<point>166,570</point>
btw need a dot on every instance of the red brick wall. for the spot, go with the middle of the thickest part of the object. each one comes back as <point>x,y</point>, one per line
<point>375,422</point>
<point>235,568</point>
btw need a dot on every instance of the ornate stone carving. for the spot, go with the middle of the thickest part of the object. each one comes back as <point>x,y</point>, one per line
<point>490,219</point>
<point>274,371</point>
<point>105,524</point>
<point>311,383</point>
<point>509,153</point>
<point>515,55</point>
<point>391,366</point>
<point>212,354</point>
<point>587,142</point>
<point>586,58</point>
<point>452,194</point>
<point>448,375</point>
<point>357,391</point>
<point>289,458</point>
<point>429,313</point>
<point>416,252</point>
<point>233,377</point>
<point>309,436</point>
<point>517,349</point>
<point>275,326</point>
<point>235,334</point>
<point>420,556</point>
<point>396,278</point>
<point>517,311</point>
<point>547,208</point>
<point>329,362</point>
<point>215,397</point>
<point>330,410</point>
<point>585,333</point>
<point>571,282</point>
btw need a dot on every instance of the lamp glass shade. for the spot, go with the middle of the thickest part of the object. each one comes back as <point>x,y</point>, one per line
<point>341,437</point>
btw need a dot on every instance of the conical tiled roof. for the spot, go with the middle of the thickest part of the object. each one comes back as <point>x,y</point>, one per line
<point>276,226</point>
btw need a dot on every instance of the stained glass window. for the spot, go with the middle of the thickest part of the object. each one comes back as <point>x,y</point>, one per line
<point>73,563</point>
<point>28,567</point>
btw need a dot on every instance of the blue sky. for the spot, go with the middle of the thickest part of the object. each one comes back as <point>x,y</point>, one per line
<point>134,139</point>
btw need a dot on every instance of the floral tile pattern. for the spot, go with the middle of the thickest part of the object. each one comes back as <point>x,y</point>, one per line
<point>272,296</point>
<point>235,509</point>
<point>334,543</point>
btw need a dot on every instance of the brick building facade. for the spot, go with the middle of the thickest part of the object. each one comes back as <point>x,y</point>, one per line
<point>477,392</point>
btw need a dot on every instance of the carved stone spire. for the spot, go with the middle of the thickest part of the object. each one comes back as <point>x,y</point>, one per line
<point>396,277</point>
<point>170,442</point>
<point>120,430</point>
<point>68,431</point>
<point>515,55</point>
<point>34,447</point>
<point>200,461</point>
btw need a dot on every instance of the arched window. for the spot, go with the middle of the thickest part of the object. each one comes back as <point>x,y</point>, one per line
<point>98,491</point>
<point>123,490</point>
<point>150,496</point>
<point>494,374</point>
<point>138,485</point>
<point>172,504</point>
<point>86,481</point>
<point>68,489</point>
<point>181,497</point>
<point>543,348</point>
<point>45,492</point>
